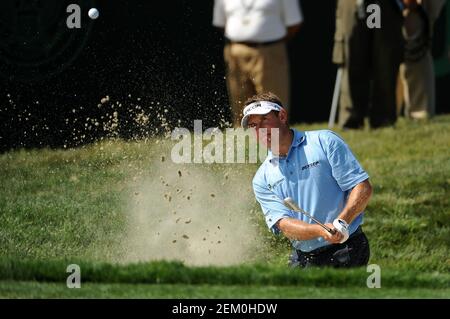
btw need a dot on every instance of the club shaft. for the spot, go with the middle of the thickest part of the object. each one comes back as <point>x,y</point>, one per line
<point>292,206</point>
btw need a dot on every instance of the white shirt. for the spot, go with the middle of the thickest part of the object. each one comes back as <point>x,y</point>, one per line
<point>256,20</point>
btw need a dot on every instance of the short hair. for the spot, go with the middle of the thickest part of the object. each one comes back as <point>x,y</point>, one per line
<point>266,96</point>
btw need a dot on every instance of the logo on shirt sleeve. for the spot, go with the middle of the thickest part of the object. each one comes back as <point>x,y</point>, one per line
<point>275,184</point>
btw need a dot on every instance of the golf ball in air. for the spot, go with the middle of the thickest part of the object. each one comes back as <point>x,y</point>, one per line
<point>93,13</point>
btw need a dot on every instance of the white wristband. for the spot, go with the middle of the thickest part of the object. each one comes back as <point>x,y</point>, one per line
<point>342,227</point>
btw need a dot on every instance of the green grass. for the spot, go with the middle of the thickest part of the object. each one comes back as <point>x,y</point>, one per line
<point>59,205</point>
<point>409,212</point>
<point>23,289</point>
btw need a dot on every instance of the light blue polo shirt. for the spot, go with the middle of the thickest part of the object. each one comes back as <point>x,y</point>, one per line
<point>318,172</point>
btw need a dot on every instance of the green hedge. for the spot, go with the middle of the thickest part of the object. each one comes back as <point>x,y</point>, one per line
<point>176,273</point>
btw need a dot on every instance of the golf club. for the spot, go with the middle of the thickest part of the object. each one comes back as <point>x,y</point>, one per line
<point>289,203</point>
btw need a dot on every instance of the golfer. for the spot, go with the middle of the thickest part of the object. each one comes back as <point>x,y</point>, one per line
<point>320,173</point>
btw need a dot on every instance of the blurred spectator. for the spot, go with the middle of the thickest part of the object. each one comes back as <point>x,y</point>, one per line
<point>255,52</point>
<point>370,60</point>
<point>417,72</point>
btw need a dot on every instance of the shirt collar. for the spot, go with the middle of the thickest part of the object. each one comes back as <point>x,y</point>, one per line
<point>299,138</point>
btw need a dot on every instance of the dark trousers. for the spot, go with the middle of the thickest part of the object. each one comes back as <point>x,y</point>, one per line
<point>374,57</point>
<point>355,252</point>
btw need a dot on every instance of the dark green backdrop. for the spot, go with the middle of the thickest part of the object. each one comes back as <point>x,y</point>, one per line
<point>166,53</point>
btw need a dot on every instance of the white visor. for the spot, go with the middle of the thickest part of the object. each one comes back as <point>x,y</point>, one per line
<point>260,107</point>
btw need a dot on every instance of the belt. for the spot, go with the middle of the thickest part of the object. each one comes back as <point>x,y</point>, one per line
<point>320,250</point>
<point>254,44</point>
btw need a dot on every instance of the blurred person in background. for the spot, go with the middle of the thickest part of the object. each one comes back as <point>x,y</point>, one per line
<point>255,53</point>
<point>370,60</point>
<point>417,71</point>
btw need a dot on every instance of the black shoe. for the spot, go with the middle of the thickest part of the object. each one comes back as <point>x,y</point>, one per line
<point>353,124</point>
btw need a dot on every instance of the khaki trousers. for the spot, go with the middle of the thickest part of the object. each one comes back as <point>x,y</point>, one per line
<point>419,87</point>
<point>255,69</point>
